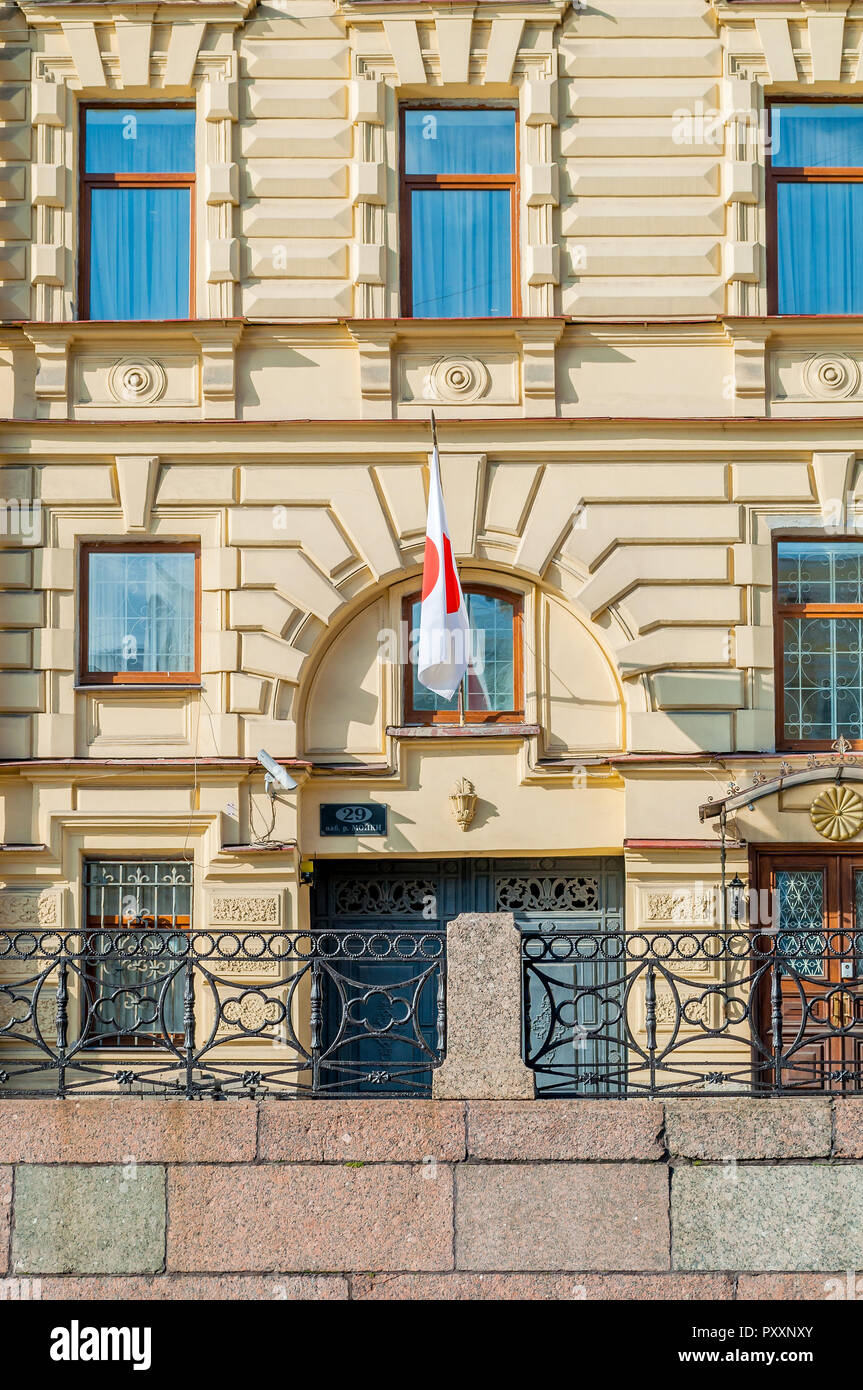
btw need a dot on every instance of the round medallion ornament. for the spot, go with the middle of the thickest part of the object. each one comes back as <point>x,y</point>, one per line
<point>137,382</point>
<point>837,813</point>
<point>831,376</point>
<point>458,380</point>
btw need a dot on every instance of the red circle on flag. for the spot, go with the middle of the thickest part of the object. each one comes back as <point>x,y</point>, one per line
<point>431,567</point>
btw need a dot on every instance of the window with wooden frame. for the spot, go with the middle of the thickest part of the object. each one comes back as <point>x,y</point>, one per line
<point>137,250</point>
<point>459,201</point>
<point>493,686</point>
<point>818,625</point>
<point>815,208</point>
<point>136,916</point>
<point>140,613</point>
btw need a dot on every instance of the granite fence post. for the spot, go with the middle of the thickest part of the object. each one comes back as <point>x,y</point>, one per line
<point>483,1057</point>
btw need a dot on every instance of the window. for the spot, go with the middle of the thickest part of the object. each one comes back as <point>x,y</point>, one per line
<point>458,212</point>
<point>492,687</point>
<point>137,212</point>
<point>816,208</point>
<point>819,634</point>
<point>133,983</point>
<point>140,614</point>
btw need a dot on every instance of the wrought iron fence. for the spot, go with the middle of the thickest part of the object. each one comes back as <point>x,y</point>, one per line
<point>690,1011</point>
<point>161,1010</point>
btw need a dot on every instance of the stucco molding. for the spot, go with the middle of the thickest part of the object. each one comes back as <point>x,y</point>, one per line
<point>245,909</point>
<point>408,365</point>
<point>182,368</point>
<point>791,44</point>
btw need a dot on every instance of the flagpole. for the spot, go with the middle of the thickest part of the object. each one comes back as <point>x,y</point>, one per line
<point>461,682</point>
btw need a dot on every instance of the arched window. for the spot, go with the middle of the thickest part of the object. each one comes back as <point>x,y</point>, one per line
<point>493,687</point>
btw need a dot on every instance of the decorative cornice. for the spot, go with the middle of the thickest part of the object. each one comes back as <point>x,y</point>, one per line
<point>386,38</point>
<point>47,12</point>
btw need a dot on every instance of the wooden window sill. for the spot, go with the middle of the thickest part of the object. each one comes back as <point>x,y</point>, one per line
<point>142,687</point>
<point>462,730</point>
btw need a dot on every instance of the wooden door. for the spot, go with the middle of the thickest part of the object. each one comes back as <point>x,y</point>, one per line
<point>816,900</point>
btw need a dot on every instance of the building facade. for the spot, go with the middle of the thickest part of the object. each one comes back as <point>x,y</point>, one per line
<point>248,247</point>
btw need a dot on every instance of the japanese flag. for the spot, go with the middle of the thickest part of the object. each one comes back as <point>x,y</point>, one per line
<point>444,644</point>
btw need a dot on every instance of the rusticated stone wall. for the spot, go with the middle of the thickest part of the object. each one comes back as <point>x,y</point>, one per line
<point>150,1199</point>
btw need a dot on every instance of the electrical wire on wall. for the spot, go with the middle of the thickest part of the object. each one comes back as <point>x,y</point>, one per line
<point>266,838</point>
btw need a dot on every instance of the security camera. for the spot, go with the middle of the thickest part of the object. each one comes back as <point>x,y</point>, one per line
<point>276,774</point>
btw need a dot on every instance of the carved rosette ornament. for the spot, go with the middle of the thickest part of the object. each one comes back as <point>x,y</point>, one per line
<point>137,382</point>
<point>837,813</point>
<point>463,802</point>
<point>458,380</point>
<point>831,376</point>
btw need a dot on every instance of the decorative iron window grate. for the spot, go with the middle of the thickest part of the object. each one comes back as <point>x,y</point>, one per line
<point>134,1000</point>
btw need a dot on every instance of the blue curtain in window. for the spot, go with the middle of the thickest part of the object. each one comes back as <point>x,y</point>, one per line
<point>460,141</point>
<point>819,242</point>
<point>140,238</point>
<point>817,137</point>
<point>820,248</point>
<point>461,238</point>
<point>461,252</point>
<point>140,253</point>
<point>139,141</point>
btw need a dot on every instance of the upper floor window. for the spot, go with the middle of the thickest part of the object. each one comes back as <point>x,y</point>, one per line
<point>819,633</point>
<point>458,212</point>
<point>137,212</point>
<point>816,202</point>
<point>140,614</point>
<point>492,689</point>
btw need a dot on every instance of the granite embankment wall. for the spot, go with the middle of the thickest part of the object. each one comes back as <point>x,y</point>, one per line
<point>142,1198</point>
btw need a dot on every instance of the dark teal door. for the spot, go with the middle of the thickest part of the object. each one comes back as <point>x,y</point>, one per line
<point>381,925</point>
<point>570,912</point>
<point>380,933</point>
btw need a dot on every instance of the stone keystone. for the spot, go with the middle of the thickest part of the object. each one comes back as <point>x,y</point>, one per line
<point>483,1060</point>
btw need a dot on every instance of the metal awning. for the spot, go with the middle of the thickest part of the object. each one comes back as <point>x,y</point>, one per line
<point>840,766</point>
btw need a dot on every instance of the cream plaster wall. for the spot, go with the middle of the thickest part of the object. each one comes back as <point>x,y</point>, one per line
<point>622,454</point>
<point>642,208</point>
<point>644,557</point>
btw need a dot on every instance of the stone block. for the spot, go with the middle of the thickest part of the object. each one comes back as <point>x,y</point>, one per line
<point>279,1288</point>
<point>794,1216</point>
<point>742,1129</point>
<point>82,1220</point>
<point>848,1122</point>
<point>562,1216</point>
<point>298,1218</point>
<point>5,1216</point>
<point>525,1131</point>
<point>578,1287</point>
<point>397,1131</point>
<point>106,1130</point>
<point>483,1058</point>
<point>838,1286</point>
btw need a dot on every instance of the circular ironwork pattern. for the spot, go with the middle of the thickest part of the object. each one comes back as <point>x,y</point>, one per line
<point>837,813</point>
